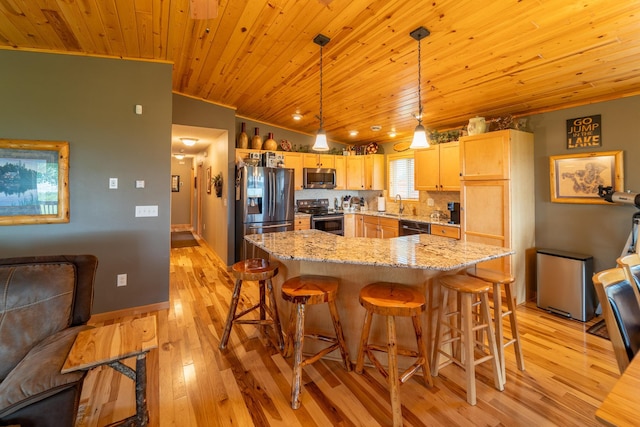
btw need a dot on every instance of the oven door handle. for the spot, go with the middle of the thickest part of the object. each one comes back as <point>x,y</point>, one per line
<point>327,218</point>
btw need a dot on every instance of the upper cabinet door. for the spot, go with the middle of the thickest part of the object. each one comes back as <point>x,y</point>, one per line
<point>427,168</point>
<point>486,156</point>
<point>450,166</point>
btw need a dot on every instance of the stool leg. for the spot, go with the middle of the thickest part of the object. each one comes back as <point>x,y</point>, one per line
<point>297,356</point>
<point>468,347</point>
<point>364,340</point>
<point>339,334</point>
<point>422,351</point>
<point>231,315</point>
<point>290,336</point>
<point>497,372</point>
<point>441,314</point>
<point>497,316</point>
<point>261,286</point>
<point>511,306</point>
<point>396,406</point>
<point>276,318</point>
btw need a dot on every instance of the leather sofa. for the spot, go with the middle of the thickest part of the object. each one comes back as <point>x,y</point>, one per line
<point>44,302</point>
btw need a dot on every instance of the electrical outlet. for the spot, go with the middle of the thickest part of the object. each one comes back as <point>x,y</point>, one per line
<point>430,202</point>
<point>113,183</point>
<point>122,280</point>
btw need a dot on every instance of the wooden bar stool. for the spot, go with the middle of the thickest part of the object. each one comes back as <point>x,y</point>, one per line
<point>499,279</point>
<point>302,291</point>
<point>391,300</point>
<point>260,270</point>
<point>462,326</point>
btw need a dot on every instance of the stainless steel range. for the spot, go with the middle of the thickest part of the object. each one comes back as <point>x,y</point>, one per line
<point>321,217</point>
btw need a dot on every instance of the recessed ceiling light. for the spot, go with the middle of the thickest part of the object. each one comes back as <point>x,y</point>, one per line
<point>392,134</point>
<point>297,116</point>
<point>189,141</point>
<point>353,132</point>
<point>376,128</point>
<point>179,156</point>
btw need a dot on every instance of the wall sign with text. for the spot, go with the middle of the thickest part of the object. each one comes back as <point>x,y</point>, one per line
<point>584,132</point>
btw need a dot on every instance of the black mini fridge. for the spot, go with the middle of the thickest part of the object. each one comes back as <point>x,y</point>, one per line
<point>565,284</point>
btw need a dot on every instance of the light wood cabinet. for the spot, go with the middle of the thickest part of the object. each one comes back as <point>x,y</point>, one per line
<point>370,227</point>
<point>360,225</point>
<point>350,225</point>
<point>374,172</point>
<point>445,231</point>
<point>365,172</point>
<point>380,228</point>
<point>302,222</point>
<point>319,160</point>
<point>242,153</point>
<point>355,172</point>
<point>437,168</point>
<point>497,198</point>
<point>293,160</point>
<point>488,156</point>
<point>388,228</point>
<point>341,172</point>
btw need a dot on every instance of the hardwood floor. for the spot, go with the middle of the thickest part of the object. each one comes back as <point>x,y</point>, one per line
<point>191,383</point>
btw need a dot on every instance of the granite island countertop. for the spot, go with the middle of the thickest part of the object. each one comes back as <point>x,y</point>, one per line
<point>420,251</point>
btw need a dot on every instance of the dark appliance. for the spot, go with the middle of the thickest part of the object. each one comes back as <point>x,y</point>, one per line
<point>321,217</point>
<point>318,178</point>
<point>454,208</point>
<point>264,204</point>
<point>407,228</point>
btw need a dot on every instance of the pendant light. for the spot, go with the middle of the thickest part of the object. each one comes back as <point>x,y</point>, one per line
<point>321,136</point>
<point>420,134</point>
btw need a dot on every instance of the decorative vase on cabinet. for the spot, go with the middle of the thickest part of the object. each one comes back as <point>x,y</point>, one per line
<point>476,126</point>
<point>243,138</point>
<point>256,141</point>
<point>270,144</point>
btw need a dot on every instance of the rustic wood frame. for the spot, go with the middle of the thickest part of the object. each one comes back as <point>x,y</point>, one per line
<point>44,155</point>
<point>563,169</point>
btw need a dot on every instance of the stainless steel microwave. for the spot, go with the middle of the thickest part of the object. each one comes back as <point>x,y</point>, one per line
<point>319,178</point>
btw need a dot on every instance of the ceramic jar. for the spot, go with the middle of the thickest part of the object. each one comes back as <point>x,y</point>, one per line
<point>243,138</point>
<point>477,125</point>
<point>256,141</point>
<point>270,144</point>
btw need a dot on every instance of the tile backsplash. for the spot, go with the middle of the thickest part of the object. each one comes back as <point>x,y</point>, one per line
<point>420,207</point>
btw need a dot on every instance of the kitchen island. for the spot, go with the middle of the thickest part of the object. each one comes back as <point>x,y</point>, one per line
<point>411,260</point>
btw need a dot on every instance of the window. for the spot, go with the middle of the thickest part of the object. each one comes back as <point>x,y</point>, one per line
<point>401,176</point>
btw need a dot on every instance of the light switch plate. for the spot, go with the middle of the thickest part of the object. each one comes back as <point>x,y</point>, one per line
<point>113,183</point>
<point>139,183</point>
<point>146,211</point>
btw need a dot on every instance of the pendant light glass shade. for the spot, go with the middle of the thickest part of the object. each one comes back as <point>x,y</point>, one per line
<point>420,134</point>
<point>321,136</point>
<point>419,138</point>
<point>321,141</point>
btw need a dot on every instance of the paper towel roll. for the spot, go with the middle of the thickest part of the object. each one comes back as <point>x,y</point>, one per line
<point>381,204</point>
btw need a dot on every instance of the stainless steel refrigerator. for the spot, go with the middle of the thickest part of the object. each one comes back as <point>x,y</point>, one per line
<point>264,204</point>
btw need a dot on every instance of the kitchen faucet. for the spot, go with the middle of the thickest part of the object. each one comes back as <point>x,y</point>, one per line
<point>401,207</point>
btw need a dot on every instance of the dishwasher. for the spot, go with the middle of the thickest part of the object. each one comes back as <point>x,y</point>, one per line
<point>407,228</point>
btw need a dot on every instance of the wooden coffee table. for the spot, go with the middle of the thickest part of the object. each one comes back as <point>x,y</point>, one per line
<point>109,345</point>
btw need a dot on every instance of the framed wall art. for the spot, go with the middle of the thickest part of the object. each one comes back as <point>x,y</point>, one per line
<point>34,182</point>
<point>575,178</point>
<point>208,180</point>
<point>175,183</point>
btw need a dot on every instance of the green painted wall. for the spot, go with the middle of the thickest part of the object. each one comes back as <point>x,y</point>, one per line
<point>90,103</point>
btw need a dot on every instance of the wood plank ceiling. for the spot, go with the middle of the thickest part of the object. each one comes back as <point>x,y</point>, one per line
<point>491,58</point>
